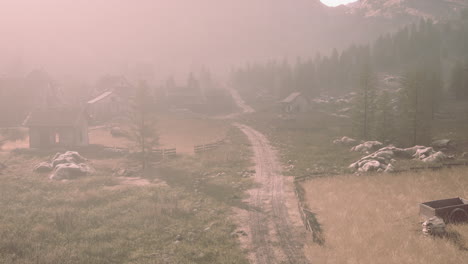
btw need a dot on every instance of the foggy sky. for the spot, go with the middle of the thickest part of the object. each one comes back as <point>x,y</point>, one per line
<point>337,2</point>
<point>91,37</point>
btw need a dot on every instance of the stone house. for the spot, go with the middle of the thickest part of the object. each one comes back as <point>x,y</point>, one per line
<point>57,127</point>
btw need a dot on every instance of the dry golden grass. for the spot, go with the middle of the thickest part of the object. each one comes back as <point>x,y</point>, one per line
<point>375,218</point>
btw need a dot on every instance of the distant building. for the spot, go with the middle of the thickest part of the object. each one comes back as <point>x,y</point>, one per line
<point>111,98</point>
<point>295,103</point>
<point>106,106</point>
<point>57,127</point>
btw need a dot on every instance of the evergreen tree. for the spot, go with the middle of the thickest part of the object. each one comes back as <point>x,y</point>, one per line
<point>143,123</point>
<point>414,110</point>
<point>385,119</point>
<point>364,104</point>
<point>458,81</point>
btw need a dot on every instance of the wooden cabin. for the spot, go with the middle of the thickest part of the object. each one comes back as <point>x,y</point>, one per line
<point>57,127</point>
<point>295,103</point>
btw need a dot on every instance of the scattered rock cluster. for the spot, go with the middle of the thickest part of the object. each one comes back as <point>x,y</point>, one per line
<point>65,166</point>
<point>429,155</point>
<point>382,159</point>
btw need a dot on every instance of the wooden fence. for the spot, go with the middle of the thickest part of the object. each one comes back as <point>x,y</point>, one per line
<point>165,153</point>
<point>207,147</point>
<point>308,218</point>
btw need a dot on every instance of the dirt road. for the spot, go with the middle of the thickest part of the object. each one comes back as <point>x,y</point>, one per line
<point>239,102</point>
<point>276,234</point>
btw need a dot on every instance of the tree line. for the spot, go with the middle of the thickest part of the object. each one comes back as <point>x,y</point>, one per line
<point>430,59</point>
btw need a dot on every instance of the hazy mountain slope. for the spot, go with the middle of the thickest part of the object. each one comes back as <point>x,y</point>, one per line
<point>93,38</point>
<point>408,9</point>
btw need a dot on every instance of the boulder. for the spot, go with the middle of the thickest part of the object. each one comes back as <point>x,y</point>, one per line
<point>70,171</point>
<point>436,157</point>
<point>441,143</point>
<point>367,146</point>
<point>370,165</point>
<point>67,157</point>
<point>345,141</point>
<point>43,167</point>
<point>383,155</point>
<point>434,226</point>
<point>423,153</point>
<point>410,152</point>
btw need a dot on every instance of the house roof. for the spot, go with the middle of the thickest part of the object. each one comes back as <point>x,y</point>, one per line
<point>291,97</point>
<point>100,97</point>
<point>54,117</point>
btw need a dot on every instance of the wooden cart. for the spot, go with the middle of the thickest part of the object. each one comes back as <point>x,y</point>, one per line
<point>454,210</point>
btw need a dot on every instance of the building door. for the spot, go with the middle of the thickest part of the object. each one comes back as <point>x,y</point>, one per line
<point>44,138</point>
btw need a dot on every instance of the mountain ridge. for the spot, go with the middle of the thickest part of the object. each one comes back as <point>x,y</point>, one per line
<point>393,9</point>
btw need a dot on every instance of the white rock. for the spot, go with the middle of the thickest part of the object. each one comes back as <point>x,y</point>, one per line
<point>367,146</point>
<point>370,165</point>
<point>69,171</point>
<point>423,153</point>
<point>436,157</point>
<point>412,151</point>
<point>345,141</point>
<point>441,143</point>
<point>434,226</point>
<point>67,157</point>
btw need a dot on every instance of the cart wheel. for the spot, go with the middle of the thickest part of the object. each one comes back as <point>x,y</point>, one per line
<point>458,216</point>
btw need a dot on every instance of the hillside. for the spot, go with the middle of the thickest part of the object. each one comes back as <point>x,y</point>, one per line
<point>407,9</point>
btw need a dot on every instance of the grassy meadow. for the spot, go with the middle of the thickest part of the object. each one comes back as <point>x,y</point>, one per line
<point>375,218</point>
<point>179,213</point>
<point>370,218</point>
